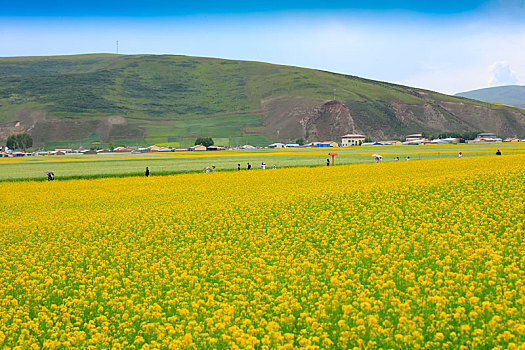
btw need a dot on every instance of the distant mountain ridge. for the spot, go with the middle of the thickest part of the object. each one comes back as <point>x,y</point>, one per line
<point>511,95</point>
<point>146,99</point>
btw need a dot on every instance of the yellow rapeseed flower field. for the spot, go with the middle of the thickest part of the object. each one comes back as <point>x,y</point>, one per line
<point>402,255</point>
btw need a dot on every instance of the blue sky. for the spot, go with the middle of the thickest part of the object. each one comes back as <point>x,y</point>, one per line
<point>156,8</point>
<point>447,46</point>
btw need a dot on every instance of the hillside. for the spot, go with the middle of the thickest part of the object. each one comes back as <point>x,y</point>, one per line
<point>87,99</point>
<point>512,95</point>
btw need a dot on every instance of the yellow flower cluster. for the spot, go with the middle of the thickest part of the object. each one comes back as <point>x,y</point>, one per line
<point>412,255</point>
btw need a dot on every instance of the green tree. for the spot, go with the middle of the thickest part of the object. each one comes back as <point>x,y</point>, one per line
<point>11,142</point>
<point>25,141</point>
<point>444,135</point>
<point>20,141</point>
<point>426,135</point>
<point>299,141</point>
<point>470,135</point>
<point>205,141</point>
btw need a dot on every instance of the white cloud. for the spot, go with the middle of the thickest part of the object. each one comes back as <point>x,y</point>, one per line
<point>502,74</point>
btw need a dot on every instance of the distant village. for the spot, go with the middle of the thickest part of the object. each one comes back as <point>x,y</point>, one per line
<point>349,140</point>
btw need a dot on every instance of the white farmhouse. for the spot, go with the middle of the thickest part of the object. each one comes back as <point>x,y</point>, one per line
<point>352,140</point>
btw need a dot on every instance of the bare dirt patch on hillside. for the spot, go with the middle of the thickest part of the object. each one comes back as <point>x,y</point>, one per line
<point>332,121</point>
<point>287,117</point>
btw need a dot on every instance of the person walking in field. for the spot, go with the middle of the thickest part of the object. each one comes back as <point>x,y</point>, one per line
<point>147,172</point>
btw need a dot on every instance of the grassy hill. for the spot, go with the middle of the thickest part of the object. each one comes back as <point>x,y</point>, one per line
<point>512,95</point>
<point>143,99</point>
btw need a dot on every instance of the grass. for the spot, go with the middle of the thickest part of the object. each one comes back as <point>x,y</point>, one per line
<point>111,165</point>
<point>226,130</point>
<point>93,140</point>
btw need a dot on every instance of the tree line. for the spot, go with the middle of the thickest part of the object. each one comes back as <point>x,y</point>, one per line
<point>19,141</point>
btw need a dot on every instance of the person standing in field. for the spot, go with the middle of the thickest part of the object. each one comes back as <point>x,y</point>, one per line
<point>498,153</point>
<point>249,166</point>
<point>213,168</point>
<point>328,162</point>
<point>147,172</point>
<point>460,155</point>
<point>408,158</point>
<point>238,167</point>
